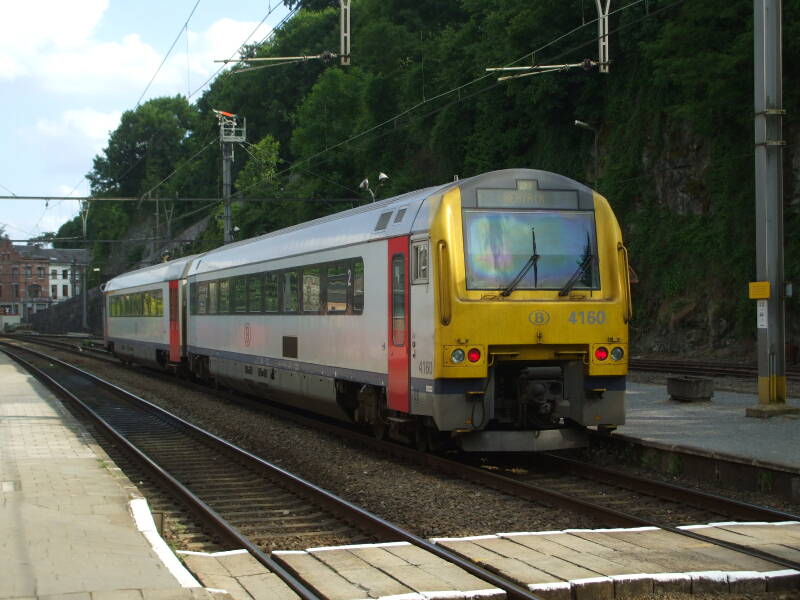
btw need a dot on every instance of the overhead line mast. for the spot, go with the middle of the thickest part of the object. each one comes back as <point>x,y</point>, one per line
<point>770,289</point>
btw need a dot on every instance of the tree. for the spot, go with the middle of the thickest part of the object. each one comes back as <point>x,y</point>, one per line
<point>313,5</point>
<point>148,144</point>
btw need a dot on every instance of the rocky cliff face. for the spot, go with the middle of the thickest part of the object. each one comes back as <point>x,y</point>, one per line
<point>67,316</point>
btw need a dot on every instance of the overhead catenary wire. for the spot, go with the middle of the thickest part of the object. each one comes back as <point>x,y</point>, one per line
<point>458,89</point>
<point>413,108</point>
<point>272,31</point>
<point>6,189</point>
<point>184,28</point>
<point>179,167</point>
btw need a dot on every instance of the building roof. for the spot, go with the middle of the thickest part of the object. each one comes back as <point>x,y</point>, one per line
<point>79,256</point>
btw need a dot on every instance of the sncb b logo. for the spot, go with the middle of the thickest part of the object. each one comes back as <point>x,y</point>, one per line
<point>539,317</point>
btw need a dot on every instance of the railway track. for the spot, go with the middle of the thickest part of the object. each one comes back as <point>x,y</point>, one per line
<point>81,345</point>
<point>243,499</point>
<point>707,368</point>
<point>614,498</point>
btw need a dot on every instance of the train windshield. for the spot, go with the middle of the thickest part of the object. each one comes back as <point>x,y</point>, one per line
<point>499,244</point>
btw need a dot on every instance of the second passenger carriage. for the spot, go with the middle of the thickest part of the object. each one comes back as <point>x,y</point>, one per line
<point>492,311</point>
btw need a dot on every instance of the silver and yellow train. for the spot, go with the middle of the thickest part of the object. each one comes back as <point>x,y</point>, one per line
<point>490,312</point>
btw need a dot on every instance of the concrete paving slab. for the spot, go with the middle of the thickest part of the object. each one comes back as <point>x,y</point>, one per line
<point>240,563</point>
<point>457,579</point>
<point>266,586</point>
<point>713,427</point>
<point>319,576</point>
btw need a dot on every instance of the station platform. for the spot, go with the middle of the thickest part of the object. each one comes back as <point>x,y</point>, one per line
<point>70,524</point>
<point>718,427</point>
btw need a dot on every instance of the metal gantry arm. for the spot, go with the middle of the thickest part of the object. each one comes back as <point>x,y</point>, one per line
<point>344,48</point>
<point>602,62</point>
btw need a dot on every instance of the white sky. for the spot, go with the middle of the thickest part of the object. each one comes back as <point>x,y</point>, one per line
<point>68,70</point>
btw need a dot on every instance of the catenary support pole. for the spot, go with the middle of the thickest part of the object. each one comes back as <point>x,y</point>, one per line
<point>227,159</point>
<point>769,209</point>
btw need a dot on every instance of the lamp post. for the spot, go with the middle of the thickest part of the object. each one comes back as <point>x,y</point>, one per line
<point>585,125</point>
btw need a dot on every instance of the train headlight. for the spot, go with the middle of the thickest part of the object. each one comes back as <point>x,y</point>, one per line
<point>617,353</point>
<point>474,355</point>
<point>457,356</point>
<point>601,353</point>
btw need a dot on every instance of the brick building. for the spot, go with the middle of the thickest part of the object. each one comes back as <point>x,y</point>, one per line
<point>32,278</point>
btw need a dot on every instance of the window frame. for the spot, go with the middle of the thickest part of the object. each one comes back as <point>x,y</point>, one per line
<point>417,248</point>
<point>320,289</point>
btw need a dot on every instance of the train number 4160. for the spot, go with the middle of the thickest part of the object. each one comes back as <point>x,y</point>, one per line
<point>589,317</point>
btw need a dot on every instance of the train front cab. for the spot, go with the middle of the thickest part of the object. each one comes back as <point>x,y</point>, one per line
<point>531,310</point>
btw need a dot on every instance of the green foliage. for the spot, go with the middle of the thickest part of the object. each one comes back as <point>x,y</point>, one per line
<point>674,123</point>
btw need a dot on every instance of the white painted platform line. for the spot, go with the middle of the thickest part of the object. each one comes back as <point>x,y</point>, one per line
<point>144,522</point>
<point>447,595</point>
<point>212,554</point>
<point>739,523</point>
<point>464,539</point>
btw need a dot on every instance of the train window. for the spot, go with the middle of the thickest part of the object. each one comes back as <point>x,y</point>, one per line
<point>202,298</point>
<point>224,302</point>
<point>400,214</point>
<point>398,300</point>
<point>383,221</point>
<point>271,292</point>
<point>336,289</point>
<point>419,262</point>
<point>527,194</point>
<point>255,285</point>
<point>137,304</point>
<point>311,290</point>
<point>358,286</point>
<point>153,304</point>
<point>213,297</point>
<point>239,294</point>
<point>193,298</point>
<point>498,243</point>
<point>289,292</point>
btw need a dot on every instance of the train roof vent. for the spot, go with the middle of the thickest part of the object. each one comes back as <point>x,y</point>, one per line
<point>383,221</point>
<point>400,214</point>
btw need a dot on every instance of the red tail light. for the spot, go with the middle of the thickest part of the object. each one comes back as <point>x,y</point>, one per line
<point>474,355</point>
<point>601,353</point>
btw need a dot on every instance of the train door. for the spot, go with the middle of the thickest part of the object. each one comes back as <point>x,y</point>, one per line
<point>398,338</point>
<point>174,323</point>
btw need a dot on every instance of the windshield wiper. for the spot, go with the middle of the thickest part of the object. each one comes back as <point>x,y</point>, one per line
<point>532,262</point>
<point>588,260</point>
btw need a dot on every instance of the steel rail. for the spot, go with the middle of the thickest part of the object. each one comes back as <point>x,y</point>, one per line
<point>704,500</point>
<point>355,513</point>
<point>48,342</point>
<point>703,368</point>
<point>208,514</point>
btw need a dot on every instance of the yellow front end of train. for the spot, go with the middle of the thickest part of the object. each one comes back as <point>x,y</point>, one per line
<point>532,299</point>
